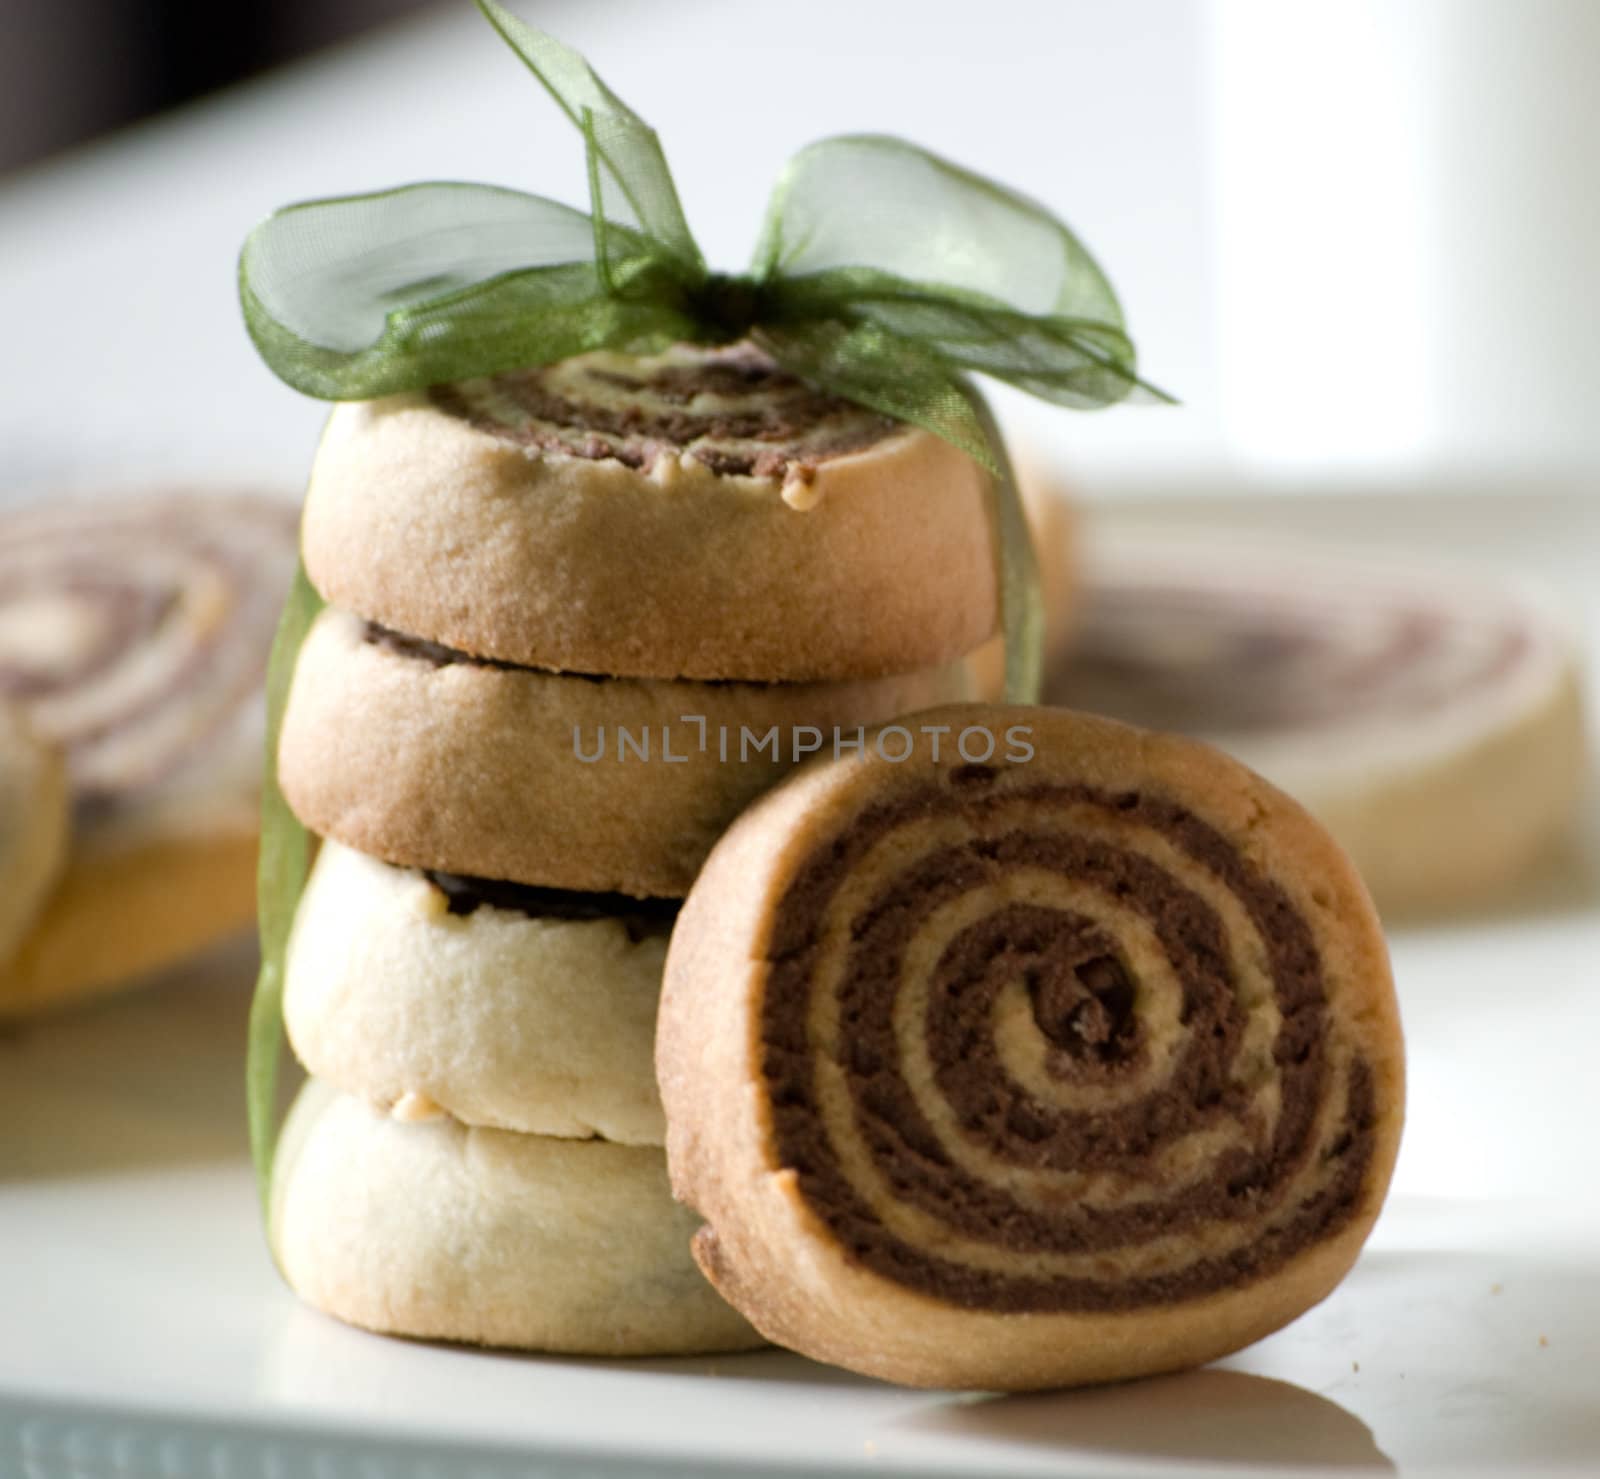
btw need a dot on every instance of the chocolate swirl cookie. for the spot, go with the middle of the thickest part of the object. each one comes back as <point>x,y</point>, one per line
<point>697,514</point>
<point>134,634</point>
<point>1065,1055</point>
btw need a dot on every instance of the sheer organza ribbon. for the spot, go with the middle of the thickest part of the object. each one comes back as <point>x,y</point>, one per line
<point>883,274</point>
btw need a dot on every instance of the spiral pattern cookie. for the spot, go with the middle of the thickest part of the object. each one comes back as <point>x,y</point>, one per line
<point>1430,717</point>
<point>134,634</point>
<point>696,514</point>
<point>1066,1054</point>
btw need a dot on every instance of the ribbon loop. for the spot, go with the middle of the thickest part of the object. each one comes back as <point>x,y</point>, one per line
<point>630,183</point>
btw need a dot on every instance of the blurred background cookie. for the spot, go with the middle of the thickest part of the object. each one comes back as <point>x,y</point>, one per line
<point>1430,717</point>
<point>33,824</point>
<point>134,635</point>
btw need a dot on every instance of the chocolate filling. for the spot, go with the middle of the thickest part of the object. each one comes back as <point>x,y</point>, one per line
<point>640,917</point>
<point>1082,997</point>
<point>731,409</point>
<point>437,655</point>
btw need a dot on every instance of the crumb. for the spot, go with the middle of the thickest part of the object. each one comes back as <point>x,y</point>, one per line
<point>1544,1341</point>
<point>1497,1288</point>
<point>414,1107</point>
<point>1355,1366</point>
<point>429,901</point>
<point>869,1448</point>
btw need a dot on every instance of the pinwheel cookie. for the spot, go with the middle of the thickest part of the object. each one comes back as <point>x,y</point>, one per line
<point>1033,1070</point>
<point>441,1231</point>
<point>512,1007</point>
<point>425,756</point>
<point>134,634</point>
<point>1430,717</point>
<point>697,514</point>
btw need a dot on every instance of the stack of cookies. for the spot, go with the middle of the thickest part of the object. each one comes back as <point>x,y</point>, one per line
<point>578,618</point>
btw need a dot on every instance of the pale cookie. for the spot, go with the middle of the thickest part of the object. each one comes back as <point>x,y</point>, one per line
<point>1429,717</point>
<point>697,514</point>
<point>1033,1072</point>
<point>33,826</point>
<point>449,1233</point>
<point>507,1006</point>
<point>134,632</point>
<point>421,756</point>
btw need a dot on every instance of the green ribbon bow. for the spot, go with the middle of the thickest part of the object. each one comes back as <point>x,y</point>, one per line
<point>883,274</point>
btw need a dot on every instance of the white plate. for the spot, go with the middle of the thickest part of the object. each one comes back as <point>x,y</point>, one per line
<point>144,1331</point>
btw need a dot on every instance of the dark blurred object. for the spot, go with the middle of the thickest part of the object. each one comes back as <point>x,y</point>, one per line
<point>69,71</point>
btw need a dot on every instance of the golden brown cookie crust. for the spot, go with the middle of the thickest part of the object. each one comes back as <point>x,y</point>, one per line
<point>780,1241</point>
<point>419,519</point>
<point>476,769</point>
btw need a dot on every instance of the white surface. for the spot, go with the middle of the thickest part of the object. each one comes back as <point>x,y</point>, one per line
<point>133,1279</point>
<point>125,348</point>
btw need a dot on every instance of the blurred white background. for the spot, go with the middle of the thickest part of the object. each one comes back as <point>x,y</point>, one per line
<point>1356,238</point>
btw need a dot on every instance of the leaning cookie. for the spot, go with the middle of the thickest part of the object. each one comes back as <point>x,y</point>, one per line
<point>506,1006</point>
<point>33,827</point>
<point>136,637</point>
<point>695,514</point>
<point>444,1232</point>
<point>1075,1064</point>
<point>423,756</point>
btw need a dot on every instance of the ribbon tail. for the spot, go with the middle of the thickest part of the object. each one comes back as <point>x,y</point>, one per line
<point>1021,600</point>
<point>284,862</point>
<point>900,378</point>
